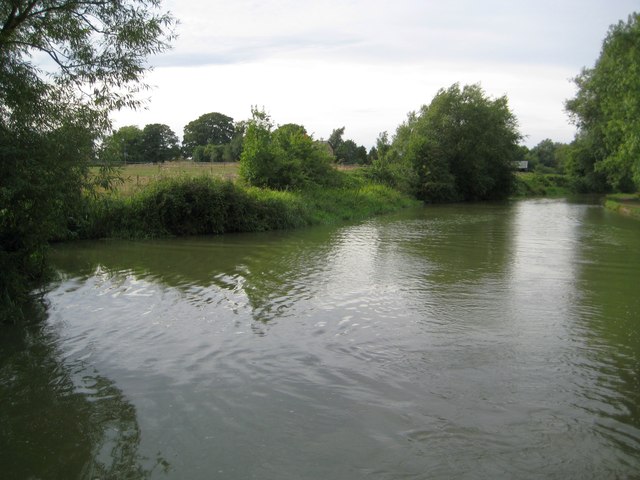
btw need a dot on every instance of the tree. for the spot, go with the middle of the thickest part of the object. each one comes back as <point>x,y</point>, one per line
<point>459,147</point>
<point>233,150</point>
<point>211,128</point>
<point>286,157</point>
<point>606,110</point>
<point>123,146</point>
<point>258,164</point>
<point>159,143</point>
<point>582,156</point>
<point>207,153</point>
<point>545,151</point>
<point>545,156</point>
<point>350,153</point>
<point>390,165</point>
<point>155,143</point>
<point>51,115</point>
<point>346,151</point>
<point>335,139</point>
<point>562,155</point>
<point>383,145</point>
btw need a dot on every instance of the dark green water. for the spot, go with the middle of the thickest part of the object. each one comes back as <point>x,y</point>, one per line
<point>473,341</point>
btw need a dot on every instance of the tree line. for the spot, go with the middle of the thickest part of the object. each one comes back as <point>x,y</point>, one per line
<point>212,137</point>
<point>215,137</point>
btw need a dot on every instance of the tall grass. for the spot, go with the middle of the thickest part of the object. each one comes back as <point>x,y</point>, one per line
<point>202,205</point>
<point>327,206</point>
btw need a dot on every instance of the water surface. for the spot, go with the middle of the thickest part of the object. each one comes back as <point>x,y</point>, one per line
<point>464,341</point>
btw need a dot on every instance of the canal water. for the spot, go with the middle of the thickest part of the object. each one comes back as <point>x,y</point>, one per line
<point>460,341</point>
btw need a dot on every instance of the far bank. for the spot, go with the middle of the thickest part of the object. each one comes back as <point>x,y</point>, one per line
<point>624,203</point>
<point>189,198</point>
<point>204,200</point>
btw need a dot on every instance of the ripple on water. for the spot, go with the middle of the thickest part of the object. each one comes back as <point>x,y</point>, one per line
<point>465,342</point>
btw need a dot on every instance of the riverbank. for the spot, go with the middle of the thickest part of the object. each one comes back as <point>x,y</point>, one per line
<point>205,204</point>
<point>530,184</point>
<point>624,203</point>
<point>198,199</point>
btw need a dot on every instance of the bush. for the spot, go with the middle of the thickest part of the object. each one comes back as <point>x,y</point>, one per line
<point>190,206</point>
<point>285,158</point>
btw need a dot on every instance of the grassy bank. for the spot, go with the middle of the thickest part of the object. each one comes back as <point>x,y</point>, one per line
<point>531,184</point>
<point>624,203</point>
<point>186,198</point>
<point>205,204</point>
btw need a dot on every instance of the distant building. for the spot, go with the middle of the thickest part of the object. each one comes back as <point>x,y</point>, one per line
<point>522,166</point>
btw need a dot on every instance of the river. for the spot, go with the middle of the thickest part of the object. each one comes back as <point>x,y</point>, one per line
<point>459,341</point>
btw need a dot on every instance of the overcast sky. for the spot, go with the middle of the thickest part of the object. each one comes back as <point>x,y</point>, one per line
<point>364,64</point>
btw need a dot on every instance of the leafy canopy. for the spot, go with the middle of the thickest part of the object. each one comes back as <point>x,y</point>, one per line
<point>546,157</point>
<point>122,146</point>
<point>90,54</point>
<point>346,151</point>
<point>64,65</point>
<point>459,147</point>
<point>606,110</point>
<point>209,129</point>
<point>159,143</point>
<point>286,157</point>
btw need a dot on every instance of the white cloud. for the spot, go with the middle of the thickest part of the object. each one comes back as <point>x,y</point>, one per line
<point>366,64</point>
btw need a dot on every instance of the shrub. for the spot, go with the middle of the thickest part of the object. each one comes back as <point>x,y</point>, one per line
<point>284,158</point>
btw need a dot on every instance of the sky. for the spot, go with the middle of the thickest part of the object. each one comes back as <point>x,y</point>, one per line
<point>365,64</point>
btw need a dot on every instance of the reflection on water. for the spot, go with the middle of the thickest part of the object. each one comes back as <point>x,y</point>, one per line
<point>63,419</point>
<point>610,332</point>
<point>473,341</point>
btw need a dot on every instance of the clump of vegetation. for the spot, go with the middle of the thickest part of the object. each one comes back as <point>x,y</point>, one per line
<point>283,158</point>
<point>206,205</point>
<point>212,137</point>
<point>606,109</point>
<point>547,157</point>
<point>155,143</point>
<point>188,206</point>
<point>461,147</point>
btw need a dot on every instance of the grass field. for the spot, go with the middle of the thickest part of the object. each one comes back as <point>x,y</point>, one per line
<point>137,176</point>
